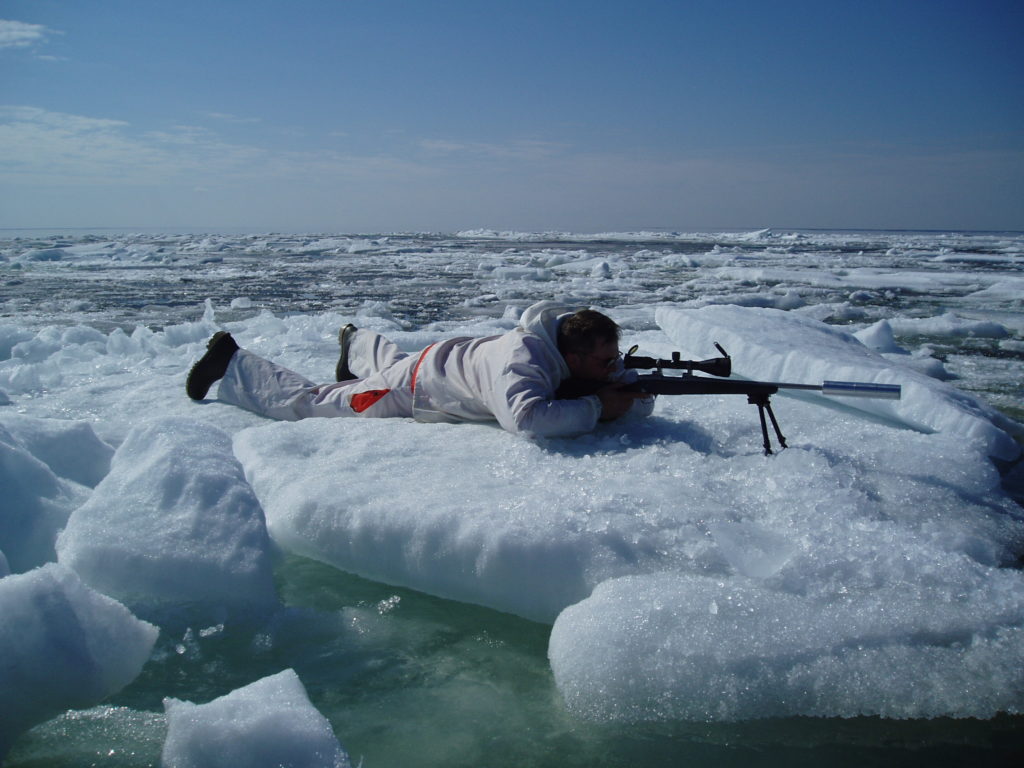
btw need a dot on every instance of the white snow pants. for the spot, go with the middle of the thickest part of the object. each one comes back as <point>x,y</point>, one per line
<point>383,389</point>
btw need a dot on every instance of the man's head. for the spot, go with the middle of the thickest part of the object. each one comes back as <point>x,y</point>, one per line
<point>589,342</point>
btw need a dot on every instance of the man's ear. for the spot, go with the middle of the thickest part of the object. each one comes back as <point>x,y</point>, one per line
<point>573,360</point>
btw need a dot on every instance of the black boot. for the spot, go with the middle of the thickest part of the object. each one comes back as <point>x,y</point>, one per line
<point>341,371</point>
<point>212,366</point>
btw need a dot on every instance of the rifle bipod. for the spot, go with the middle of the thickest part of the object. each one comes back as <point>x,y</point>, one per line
<point>764,405</point>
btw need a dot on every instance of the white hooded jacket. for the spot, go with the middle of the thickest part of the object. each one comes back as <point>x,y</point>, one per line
<point>511,378</point>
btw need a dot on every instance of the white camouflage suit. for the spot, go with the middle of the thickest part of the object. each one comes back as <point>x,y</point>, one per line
<point>509,378</point>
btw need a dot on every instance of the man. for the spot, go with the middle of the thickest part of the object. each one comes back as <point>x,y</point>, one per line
<point>511,378</point>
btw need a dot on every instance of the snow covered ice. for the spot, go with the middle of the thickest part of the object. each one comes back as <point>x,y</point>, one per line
<point>871,568</point>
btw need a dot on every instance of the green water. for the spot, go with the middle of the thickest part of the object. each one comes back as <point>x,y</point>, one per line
<point>410,680</point>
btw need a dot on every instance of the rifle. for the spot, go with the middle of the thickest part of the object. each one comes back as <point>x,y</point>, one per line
<point>758,392</point>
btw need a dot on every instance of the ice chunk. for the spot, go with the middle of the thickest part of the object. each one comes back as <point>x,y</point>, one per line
<point>879,337</point>
<point>70,448</point>
<point>495,521</point>
<point>949,324</point>
<point>10,336</point>
<point>62,645</point>
<point>34,505</point>
<point>537,274</point>
<point>690,647</point>
<point>531,528</point>
<point>174,520</point>
<point>5,569</point>
<point>44,254</point>
<point>771,345</point>
<point>268,723</point>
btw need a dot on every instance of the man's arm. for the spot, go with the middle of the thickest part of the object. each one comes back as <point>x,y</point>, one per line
<point>616,402</point>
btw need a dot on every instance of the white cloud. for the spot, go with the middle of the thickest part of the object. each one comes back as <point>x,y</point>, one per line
<point>20,34</point>
<point>42,147</point>
<point>54,147</point>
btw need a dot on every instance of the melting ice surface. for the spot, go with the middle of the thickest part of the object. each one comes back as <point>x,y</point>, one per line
<point>654,592</point>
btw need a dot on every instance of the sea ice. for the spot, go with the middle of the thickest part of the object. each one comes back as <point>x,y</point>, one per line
<point>948,325</point>
<point>174,520</point>
<point>70,449</point>
<point>35,503</point>
<point>62,645</point>
<point>880,338</point>
<point>861,571</point>
<point>948,642</point>
<point>269,723</point>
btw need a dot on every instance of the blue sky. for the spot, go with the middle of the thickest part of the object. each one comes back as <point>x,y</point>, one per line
<point>374,116</point>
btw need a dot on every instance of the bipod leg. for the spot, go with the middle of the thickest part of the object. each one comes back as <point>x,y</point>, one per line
<point>775,423</point>
<point>764,430</point>
<point>764,405</point>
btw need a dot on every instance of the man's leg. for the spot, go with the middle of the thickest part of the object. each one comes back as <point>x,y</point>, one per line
<point>264,387</point>
<point>370,353</point>
<point>385,393</point>
<point>272,390</point>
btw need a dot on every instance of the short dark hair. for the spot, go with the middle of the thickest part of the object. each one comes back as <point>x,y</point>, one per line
<point>581,331</point>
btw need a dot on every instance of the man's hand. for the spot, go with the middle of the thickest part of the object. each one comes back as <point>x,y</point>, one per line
<point>615,401</point>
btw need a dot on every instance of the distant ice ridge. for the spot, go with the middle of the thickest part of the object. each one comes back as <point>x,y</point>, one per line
<point>626,236</point>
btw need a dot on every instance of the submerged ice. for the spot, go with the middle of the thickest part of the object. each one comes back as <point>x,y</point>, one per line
<point>868,569</point>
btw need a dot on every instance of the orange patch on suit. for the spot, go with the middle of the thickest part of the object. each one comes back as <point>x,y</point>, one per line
<point>363,400</point>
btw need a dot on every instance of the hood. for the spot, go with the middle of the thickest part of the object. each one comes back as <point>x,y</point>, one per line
<point>542,319</point>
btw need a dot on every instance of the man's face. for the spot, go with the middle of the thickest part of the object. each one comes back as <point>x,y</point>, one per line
<point>595,365</point>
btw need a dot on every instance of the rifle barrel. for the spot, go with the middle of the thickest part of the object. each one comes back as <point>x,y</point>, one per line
<point>658,384</point>
<point>861,389</point>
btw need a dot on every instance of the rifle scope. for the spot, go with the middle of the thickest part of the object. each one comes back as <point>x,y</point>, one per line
<point>716,366</point>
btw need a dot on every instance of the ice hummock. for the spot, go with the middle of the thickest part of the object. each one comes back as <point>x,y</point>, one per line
<point>62,645</point>
<point>174,521</point>
<point>270,723</point>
